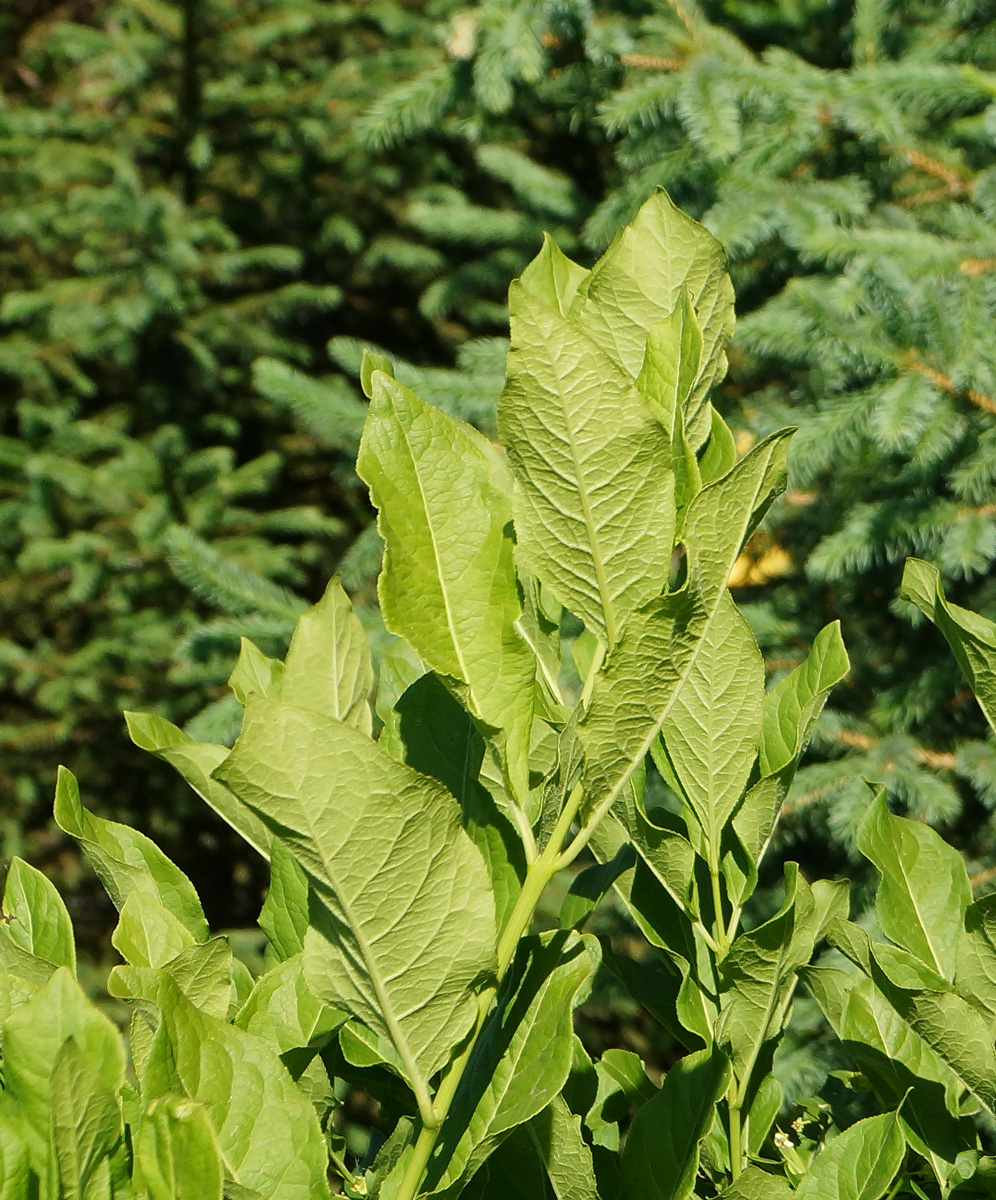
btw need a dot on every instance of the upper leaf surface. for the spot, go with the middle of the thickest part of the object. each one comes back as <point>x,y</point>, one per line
<point>406,900</point>
<point>41,923</point>
<point>859,1164</point>
<point>924,891</point>
<point>448,583</point>
<point>638,282</point>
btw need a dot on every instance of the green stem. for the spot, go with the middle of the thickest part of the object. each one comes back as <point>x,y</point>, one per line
<point>736,1144</point>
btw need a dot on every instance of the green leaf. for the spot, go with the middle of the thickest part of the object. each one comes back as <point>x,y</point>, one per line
<point>271,1145</point>
<point>176,1154</point>
<point>405,927</point>
<point>15,1174</point>
<point>755,1184</point>
<point>37,918</point>
<point>720,454</point>
<point>33,1037</point>
<point>127,861</point>
<point>147,934</point>
<point>589,886</point>
<point>639,687</point>
<point>441,493</point>
<point>520,1062</point>
<point>196,761</point>
<point>972,638</point>
<point>328,667</point>
<point>591,465</point>
<point>794,703</point>
<point>282,1009</point>
<point>859,1164</point>
<point>671,362</point>
<point>975,969</point>
<point>924,891</point>
<point>254,673</point>
<point>639,281</point>
<point>661,1158</point>
<point>555,1134</point>
<point>713,727</point>
<point>441,740</point>
<point>515,1171</point>
<point>86,1121</point>
<point>284,916</point>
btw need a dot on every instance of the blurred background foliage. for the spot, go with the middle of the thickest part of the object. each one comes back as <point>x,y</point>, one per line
<point>207,208</point>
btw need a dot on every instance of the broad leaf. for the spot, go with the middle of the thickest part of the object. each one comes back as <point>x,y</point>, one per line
<point>36,917</point>
<point>284,916</point>
<point>591,465</point>
<point>405,919</point>
<point>859,1164</point>
<point>755,1184</point>
<point>661,1158</point>
<point>639,281</point>
<point>147,934</point>
<point>126,860</point>
<point>924,892</point>
<point>86,1121</point>
<point>286,1012</point>
<point>448,583</point>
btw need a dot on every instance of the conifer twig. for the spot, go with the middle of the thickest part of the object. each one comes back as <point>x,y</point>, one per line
<point>651,62</point>
<point>947,384</point>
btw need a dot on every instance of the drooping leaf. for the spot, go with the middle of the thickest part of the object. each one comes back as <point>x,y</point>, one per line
<point>661,1157</point>
<point>405,914</point>
<point>37,919</point>
<point>859,1164</point>
<point>126,860</point>
<point>924,891</point>
<point>972,638</point>
<point>441,493</point>
<point>196,761</point>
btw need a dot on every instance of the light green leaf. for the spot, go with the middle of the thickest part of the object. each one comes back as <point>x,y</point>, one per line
<point>284,916</point>
<point>32,1039</point>
<point>671,362</point>
<point>720,454</point>
<point>254,673</point>
<point>203,973</point>
<point>859,1164</point>
<point>126,860</point>
<point>441,740</point>
<point>975,968</point>
<point>972,638</point>
<point>282,1009</point>
<point>661,1158</point>
<point>405,929</point>
<point>755,1184</point>
<point>86,1121</point>
<point>591,465</point>
<point>520,1062</point>
<point>713,727</point>
<point>638,282</point>
<point>196,761</point>
<point>924,891</point>
<point>37,918</point>
<point>638,689</point>
<point>443,511</point>
<point>328,667</point>
<point>794,703</point>
<point>147,934</point>
<point>176,1155</point>
<point>270,1142</point>
<point>15,1174</point>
